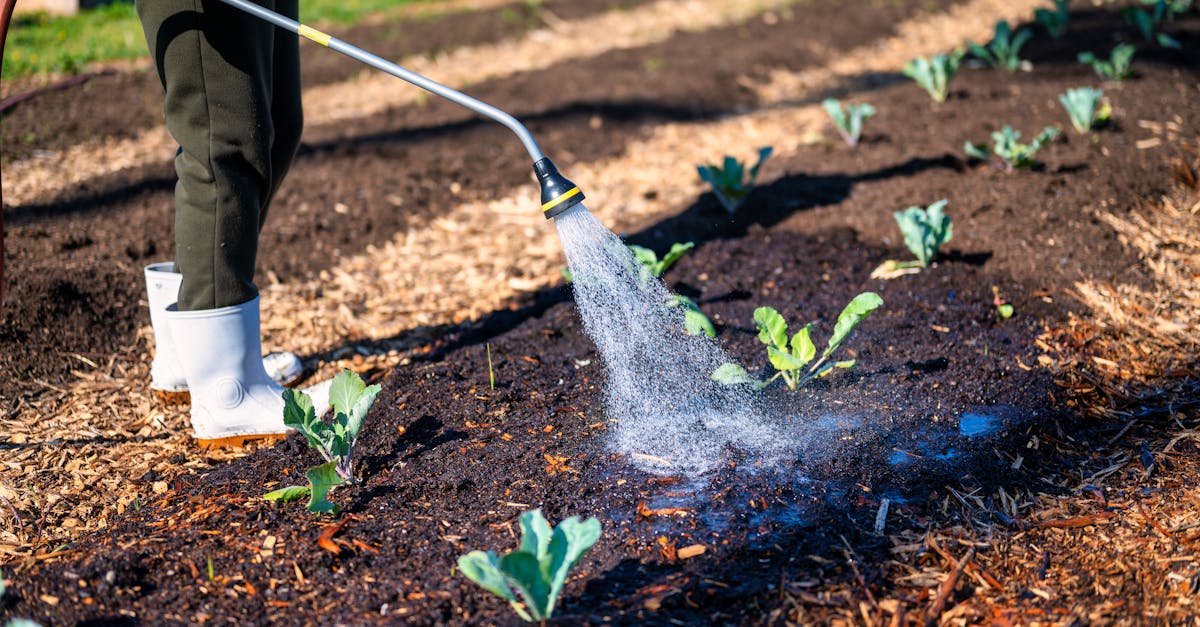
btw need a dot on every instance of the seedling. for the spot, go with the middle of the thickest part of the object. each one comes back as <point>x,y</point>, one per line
<point>791,359</point>
<point>1054,20</point>
<point>649,263</point>
<point>1149,22</point>
<point>849,120</point>
<point>924,230</point>
<point>531,577</point>
<point>491,371</point>
<point>694,320</point>
<point>1117,67</point>
<point>732,182</point>
<point>351,400</point>
<point>1004,309</point>
<point>934,74</point>
<point>1004,49</point>
<point>1005,145</point>
<point>1084,106</point>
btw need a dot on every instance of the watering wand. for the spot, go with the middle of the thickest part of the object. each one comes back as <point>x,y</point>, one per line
<point>558,193</point>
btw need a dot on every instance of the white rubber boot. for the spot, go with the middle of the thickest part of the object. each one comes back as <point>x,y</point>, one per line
<point>166,374</point>
<point>233,398</point>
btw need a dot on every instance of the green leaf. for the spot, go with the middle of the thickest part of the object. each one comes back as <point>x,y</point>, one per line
<point>484,569</point>
<point>783,360</point>
<point>535,533</point>
<point>345,390</point>
<point>772,328</point>
<point>731,374</point>
<point>981,53</point>
<point>1005,311</point>
<point>358,413</point>
<point>673,255</point>
<point>1167,41</point>
<point>694,320</point>
<point>322,479</point>
<point>288,494</point>
<point>298,413</point>
<point>763,153</point>
<point>643,255</point>
<point>976,151</point>
<point>571,540</point>
<point>1047,134</point>
<point>696,323</point>
<point>859,308</point>
<point>802,345</point>
<point>524,572</point>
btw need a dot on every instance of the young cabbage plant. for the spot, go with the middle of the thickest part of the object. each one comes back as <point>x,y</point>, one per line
<point>1085,107</point>
<point>732,182</point>
<point>792,357</point>
<point>531,577</point>
<point>848,120</point>
<point>924,230</point>
<point>1054,20</point>
<point>1004,49</point>
<point>934,74</point>
<point>351,400</point>
<point>650,266</point>
<point>1006,145</point>
<point>694,320</point>
<point>1116,68</point>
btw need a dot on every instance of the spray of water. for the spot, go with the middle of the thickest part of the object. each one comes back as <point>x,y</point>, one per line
<point>670,416</point>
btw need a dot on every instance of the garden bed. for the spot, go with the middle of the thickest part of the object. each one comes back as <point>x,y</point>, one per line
<point>961,466</point>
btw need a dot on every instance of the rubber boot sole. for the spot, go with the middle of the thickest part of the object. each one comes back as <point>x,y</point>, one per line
<point>240,441</point>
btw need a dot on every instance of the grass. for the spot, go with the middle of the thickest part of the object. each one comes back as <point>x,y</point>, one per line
<point>40,44</point>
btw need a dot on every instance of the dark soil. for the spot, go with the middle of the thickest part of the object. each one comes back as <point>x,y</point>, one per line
<point>448,463</point>
<point>94,239</point>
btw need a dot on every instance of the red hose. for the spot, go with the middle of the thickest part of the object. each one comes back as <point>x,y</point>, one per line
<point>6,10</point>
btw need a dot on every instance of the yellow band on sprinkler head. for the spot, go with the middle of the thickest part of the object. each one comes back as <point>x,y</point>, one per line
<point>313,34</point>
<point>558,201</point>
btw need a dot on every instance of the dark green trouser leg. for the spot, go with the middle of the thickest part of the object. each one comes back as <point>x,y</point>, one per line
<point>233,103</point>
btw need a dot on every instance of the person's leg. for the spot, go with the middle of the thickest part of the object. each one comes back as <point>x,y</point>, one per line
<point>216,64</point>
<point>217,67</point>
<point>286,113</point>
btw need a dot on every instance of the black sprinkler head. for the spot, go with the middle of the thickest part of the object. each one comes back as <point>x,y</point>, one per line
<point>558,194</point>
